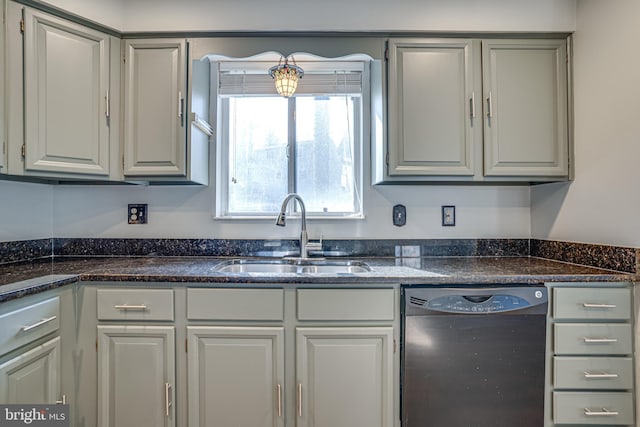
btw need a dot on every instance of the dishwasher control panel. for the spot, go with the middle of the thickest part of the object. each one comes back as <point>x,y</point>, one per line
<point>473,301</point>
<point>477,304</point>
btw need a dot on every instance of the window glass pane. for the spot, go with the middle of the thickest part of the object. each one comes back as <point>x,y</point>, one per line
<point>258,171</point>
<point>325,147</point>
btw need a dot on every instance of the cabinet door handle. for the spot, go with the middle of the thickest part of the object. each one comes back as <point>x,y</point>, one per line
<point>180,108</point>
<point>62,401</point>
<point>472,105</point>
<point>141,307</point>
<point>299,400</point>
<point>604,412</point>
<point>597,375</point>
<point>489,105</point>
<point>37,324</point>
<point>279,400</point>
<point>591,305</point>
<point>107,105</point>
<point>167,401</point>
<point>600,340</point>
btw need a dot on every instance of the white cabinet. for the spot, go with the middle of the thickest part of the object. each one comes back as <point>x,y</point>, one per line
<point>236,376</point>
<point>525,94</point>
<point>476,110</point>
<point>136,375</point>
<point>30,351</point>
<point>591,355</point>
<point>136,358</point>
<point>62,97</point>
<point>304,357</point>
<point>344,376</point>
<point>158,140</point>
<point>33,376</point>
<point>430,88</point>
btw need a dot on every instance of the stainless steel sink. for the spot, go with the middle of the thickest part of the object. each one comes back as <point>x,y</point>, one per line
<point>300,266</point>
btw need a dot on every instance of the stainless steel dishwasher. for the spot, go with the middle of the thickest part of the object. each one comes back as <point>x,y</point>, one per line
<point>473,357</point>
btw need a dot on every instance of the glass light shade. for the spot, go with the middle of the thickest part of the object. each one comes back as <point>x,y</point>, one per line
<point>286,77</point>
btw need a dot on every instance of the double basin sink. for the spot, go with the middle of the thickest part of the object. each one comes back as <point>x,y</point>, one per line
<point>299,266</point>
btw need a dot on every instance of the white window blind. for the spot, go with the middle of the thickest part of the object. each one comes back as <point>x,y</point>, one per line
<point>240,78</point>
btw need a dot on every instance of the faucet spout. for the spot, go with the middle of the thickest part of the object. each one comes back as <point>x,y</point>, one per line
<point>281,221</point>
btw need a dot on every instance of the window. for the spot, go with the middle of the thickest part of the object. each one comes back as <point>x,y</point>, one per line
<point>309,144</point>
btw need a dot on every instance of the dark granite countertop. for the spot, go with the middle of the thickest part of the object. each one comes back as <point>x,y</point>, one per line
<point>20,279</point>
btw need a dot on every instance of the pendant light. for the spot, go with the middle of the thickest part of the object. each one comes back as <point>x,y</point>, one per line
<point>286,76</point>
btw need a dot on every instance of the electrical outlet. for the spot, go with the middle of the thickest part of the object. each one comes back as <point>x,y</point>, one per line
<point>448,216</point>
<point>137,214</point>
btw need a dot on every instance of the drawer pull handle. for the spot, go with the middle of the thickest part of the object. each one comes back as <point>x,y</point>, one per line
<point>140,307</point>
<point>299,400</point>
<point>599,375</point>
<point>600,340</point>
<point>38,324</point>
<point>604,412</point>
<point>591,305</point>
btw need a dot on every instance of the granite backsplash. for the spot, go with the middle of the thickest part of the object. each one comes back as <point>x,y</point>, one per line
<point>600,256</point>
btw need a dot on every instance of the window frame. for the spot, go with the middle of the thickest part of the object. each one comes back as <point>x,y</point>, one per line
<point>361,121</point>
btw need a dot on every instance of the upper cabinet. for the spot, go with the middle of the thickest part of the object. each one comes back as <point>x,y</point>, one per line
<point>60,97</point>
<point>158,141</point>
<point>524,85</point>
<point>476,110</point>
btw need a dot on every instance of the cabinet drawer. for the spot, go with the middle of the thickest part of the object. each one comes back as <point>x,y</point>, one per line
<point>20,327</point>
<point>592,338</point>
<point>346,304</point>
<point>235,304</point>
<point>585,408</point>
<point>593,373</point>
<point>135,304</point>
<point>589,304</point>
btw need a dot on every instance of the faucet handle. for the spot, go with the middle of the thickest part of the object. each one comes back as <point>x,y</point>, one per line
<point>315,246</point>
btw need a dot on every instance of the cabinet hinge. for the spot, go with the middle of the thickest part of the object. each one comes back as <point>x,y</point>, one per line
<point>394,346</point>
<point>96,345</point>
<point>186,345</point>
<point>386,159</point>
<point>4,147</point>
<point>386,54</point>
<point>23,151</point>
<point>22,26</point>
<point>123,163</point>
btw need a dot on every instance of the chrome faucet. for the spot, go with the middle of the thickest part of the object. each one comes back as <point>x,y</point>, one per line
<point>304,238</point>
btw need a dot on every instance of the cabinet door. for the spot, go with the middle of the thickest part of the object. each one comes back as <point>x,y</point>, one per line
<point>431,110</point>
<point>236,376</point>
<point>154,121</point>
<point>344,377</point>
<point>66,79</point>
<point>525,100</point>
<point>136,374</point>
<point>33,376</point>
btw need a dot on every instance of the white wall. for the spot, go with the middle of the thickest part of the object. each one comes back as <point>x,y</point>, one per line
<point>106,12</point>
<point>186,212</point>
<point>25,211</point>
<point>352,15</point>
<point>603,204</point>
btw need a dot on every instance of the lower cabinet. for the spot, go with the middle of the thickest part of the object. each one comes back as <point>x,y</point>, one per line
<point>136,374</point>
<point>236,376</point>
<point>33,376</point>
<point>592,355</point>
<point>30,350</point>
<point>344,376</point>
<point>136,357</point>
<point>294,357</point>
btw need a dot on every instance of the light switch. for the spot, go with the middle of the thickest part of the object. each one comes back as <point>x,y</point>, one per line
<point>448,216</point>
<point>399,215</point>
